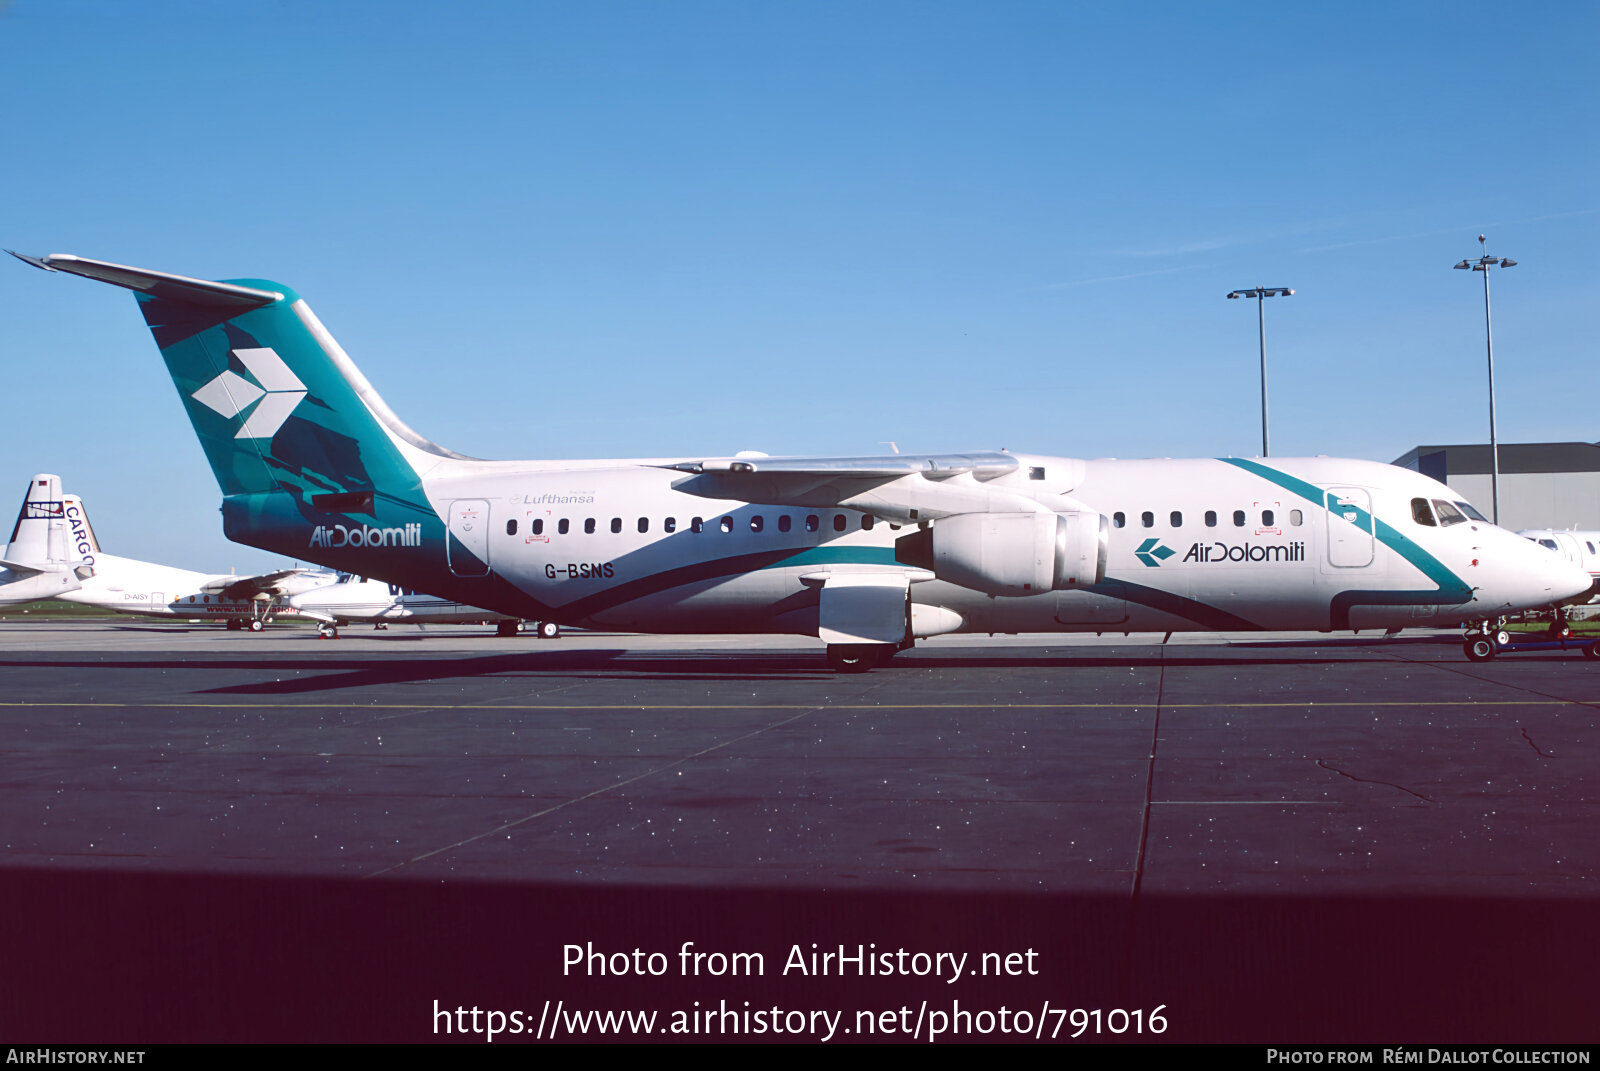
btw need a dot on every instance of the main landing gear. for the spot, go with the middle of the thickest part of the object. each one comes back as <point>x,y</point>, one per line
<point>859,657</point>
<point>327,632</point>
<point>548,630</point>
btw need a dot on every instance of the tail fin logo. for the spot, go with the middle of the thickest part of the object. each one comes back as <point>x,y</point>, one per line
<point>275,393</point>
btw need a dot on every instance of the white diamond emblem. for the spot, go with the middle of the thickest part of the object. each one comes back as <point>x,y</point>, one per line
<point>231,394</point>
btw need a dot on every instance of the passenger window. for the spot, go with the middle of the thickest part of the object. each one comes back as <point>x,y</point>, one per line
<point>538,526</point>
<point>1268,518</point>
<point>1177,519</point>
<point>1119,519</point>
<point>1448,514</point>
<point>1211,518</point>
<point>1421,513</point>
<point>1238,518</point>
<point>588,526</point>
<point>838,522</point>
<point>867,520</point>
<point>812,523</point>
<point>670,524</point>
<point>644,524</point>
<point>727,524</point>
<point>511,527</point>
<point>1147,519</point>
<point>1035,473</point>
<point>563,525</point>
<point>755,523</point>
<point>784,523</point>
<point>616,525</point>
<point>697,525</point>
<point>1296,518</point>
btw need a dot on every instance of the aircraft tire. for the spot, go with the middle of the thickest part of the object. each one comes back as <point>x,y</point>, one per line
<point>1503,638</point>
<point>1480,649</point>
<point>549,630</point>
<point>856,657</point>
<point>256,626</point>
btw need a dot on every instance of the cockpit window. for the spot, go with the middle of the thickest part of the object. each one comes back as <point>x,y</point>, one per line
<point>1421,513</point>
<point>1448,514</point>
<point>1551,543</point>
<point>1466,507</point>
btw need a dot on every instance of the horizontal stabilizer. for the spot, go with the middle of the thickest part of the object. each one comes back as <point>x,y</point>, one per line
<point>23,569</point>
<point>156,283</point>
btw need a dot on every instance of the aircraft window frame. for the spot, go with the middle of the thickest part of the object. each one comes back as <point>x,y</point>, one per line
<point>563,526</point>
<point>1422,513</point>
<point>1119,519</point>
<point>1176,518</point>
<point>1591,547</point>
<point>867,521</point>
<point>813,523</point>
<point>726,524</point>
<point>785,522</point>
<point>511,526</point>
<point>1551,543</point>
<point>538,526</point>
<point>616,525</point>
<point>1036,472</point>
<point>1211,518</point>
<point>1296,518</point>
<point>757,523</point>
<point>588,526</point>
<point>644,525</point>
<point>1448,515</point>
<point>1238,518</point>
<point>1147,519</point>
<point>839,523</point>
<point>669,525</point>
<point>697,525</point>
<point>1269,518</point>
<point>1472,512</point>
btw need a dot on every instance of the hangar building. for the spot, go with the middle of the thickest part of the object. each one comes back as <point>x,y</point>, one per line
<point>1542,485</point>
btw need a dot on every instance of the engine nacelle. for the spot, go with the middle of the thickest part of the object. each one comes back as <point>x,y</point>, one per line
<point>1012,553</point>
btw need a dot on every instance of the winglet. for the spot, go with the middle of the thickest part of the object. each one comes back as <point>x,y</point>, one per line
<point>159,284</point>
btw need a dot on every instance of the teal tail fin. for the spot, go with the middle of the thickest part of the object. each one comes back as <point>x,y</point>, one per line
<point>296,437</point>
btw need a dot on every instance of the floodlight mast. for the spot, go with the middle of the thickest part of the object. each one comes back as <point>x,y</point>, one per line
<point>1261,293</point>
<point>1483,264</point>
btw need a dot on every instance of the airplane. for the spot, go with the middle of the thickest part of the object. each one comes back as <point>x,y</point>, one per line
<point>36,563</point>
<point>1578,547</point>
<point>354,598</point>
<point>136,587</point>
<point>867,554</point>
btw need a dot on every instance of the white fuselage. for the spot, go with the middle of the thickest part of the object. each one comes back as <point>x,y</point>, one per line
<point>129,586</point>
<point>1311,543</point>
<point>355,598</point>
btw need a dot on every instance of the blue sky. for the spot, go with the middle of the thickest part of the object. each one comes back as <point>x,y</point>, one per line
<point>647,229</point>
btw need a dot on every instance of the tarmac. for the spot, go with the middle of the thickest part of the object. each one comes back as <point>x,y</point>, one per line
<point>217,836</point>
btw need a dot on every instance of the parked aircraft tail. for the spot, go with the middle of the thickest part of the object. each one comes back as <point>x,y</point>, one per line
<point>40,559</point>
<point>297,438</point>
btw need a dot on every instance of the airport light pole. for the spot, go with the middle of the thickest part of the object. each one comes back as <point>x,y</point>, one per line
<point>1483,264</point>
<point>1261,293</point>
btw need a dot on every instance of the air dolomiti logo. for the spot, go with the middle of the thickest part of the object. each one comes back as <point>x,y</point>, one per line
<point>1152,552</point>
<point>275,393</point>
<point>339,535</point>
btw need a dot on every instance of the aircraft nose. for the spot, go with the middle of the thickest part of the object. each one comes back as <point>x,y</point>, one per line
<point>1568,581</point>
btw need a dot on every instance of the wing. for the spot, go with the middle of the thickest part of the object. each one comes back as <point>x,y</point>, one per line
<point>243,588</point>
<point>896,487</point>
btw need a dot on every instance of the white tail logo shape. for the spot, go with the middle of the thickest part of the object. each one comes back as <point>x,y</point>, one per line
<point>231,394</point>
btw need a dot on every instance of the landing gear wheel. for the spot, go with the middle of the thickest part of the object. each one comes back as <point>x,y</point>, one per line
<point>857,657</point>
<point>1503,638</point>
<point>549,630</point>
<point>507,628</point>
<point>256,625</point>
<point>327,632</point>
<point>1480,649</point>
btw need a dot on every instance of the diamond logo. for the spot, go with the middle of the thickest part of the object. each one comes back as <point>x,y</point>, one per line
<point>275,393</point>
<point>1152,552</point>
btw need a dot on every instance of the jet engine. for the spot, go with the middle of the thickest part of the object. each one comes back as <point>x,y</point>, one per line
<point>1011,553</point>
